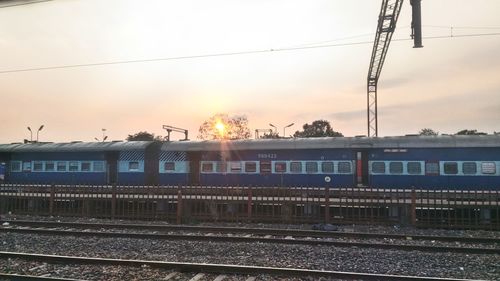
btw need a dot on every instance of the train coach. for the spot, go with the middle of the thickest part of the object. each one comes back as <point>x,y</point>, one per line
<point>467,162</point>
<point>77,162</point>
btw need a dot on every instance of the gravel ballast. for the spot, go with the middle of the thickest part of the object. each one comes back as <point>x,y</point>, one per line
<point>263,254</point>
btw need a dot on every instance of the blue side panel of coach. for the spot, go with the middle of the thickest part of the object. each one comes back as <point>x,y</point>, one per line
<point>460,168</point>
<point>229,168</point>
<point>61,168</point>
<point>173,168</point>
<point>131,168</point>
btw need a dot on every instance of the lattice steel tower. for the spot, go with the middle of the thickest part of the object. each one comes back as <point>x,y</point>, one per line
<point>387,20</point>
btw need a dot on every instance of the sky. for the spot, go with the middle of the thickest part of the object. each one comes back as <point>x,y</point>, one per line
<point>449,85</point>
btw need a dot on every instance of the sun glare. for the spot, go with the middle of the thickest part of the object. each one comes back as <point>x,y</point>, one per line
<point>220,128</point>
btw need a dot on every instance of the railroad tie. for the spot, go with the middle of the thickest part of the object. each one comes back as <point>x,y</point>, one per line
<point>220,278</point>
<point>197,277</point>
<point>171,275</point>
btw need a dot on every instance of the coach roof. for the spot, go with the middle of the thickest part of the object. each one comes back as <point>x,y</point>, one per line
<point>75,146</point>
<point>264,144</point>
<point>338,142</point>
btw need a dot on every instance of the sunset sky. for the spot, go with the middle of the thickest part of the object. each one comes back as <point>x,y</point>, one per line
<point>449,85</point>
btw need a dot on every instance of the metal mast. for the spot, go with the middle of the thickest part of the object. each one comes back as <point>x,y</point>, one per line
<point>389,13</point>
<point>387,20</point>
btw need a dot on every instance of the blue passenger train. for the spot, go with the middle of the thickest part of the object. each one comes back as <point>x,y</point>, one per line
<point>425,162</point>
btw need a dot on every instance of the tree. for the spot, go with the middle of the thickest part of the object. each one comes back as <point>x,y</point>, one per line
<point>144,136</point>
<point>428,132</point>
<point>271,135</point>
<point>470,132</point>
<point>221,126</point>
<point>318,128</point>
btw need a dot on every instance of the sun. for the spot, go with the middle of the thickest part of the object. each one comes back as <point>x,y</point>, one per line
<point>220,128</point>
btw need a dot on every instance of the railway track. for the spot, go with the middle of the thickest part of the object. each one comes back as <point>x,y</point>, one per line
<point>21,277</point>
<point>279,236</point>
<point>254,231</point>
<point>215,268</point>
<point>252,239</point>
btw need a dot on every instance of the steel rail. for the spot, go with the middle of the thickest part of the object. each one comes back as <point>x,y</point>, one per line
<point>7,276</point>
<point>258,231</point>
<point>219,268</point>
<point>241,239</point>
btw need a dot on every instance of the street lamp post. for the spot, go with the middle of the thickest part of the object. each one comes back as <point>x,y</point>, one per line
<point>287,126</point>
<point>275,128</point>
<point>31,134</point>
<point>284,129</point>
<point>39,129</point>
<point>104,137</point>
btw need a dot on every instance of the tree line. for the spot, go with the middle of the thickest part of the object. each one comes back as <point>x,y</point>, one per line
<point>431,132</point>
<point>223,126</point>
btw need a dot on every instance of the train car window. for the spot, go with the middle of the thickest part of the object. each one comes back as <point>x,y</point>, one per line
<point>73,166</point>
<point>344,167</point>
<point>296,167</point>
<point>49,166</point>
<point>235,167</point>
<point>250,167</point>
<point>396,167</point>
<point>207,167</point>
<point>450,168</point>
<point>15,166</point>
<point>221,167</point>
<point>27,166</point>
<point>37,166</point>
<point>311,167</point>
<point>132,166</point>
<point>432,168</point>
<point>327,167</point>
<point>378,167</point>
<point>169,166</point>
<point>280,167</point>
<point>98,166</point>
<point>469,168</point>
<point>414,168</point>
<point>85,166</point>
<point>61,166</point>
<point>488,168</point>
<point>265,166</point>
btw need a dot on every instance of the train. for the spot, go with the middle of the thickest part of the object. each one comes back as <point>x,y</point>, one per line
<point>421,162</point>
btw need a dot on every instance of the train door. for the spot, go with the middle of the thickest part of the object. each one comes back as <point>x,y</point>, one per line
<point>194,159</point>
<point>4,167</point>
<point>112,167</point>
<point>362,173</point>
<point>151,164</point>
<point>2,172</point>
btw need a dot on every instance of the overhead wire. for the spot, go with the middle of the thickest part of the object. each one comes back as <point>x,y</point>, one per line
<point>462,27</point>
<point>293,48</point>
<point>23,3</point>
<point>334,40</point>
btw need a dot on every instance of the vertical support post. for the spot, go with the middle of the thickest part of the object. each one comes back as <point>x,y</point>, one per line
<point>179,206</point>
<point>249,204</point>
<point>413,210</point>
<point>113,201</point>
<point>51,199</point>
<point>327,205</point>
